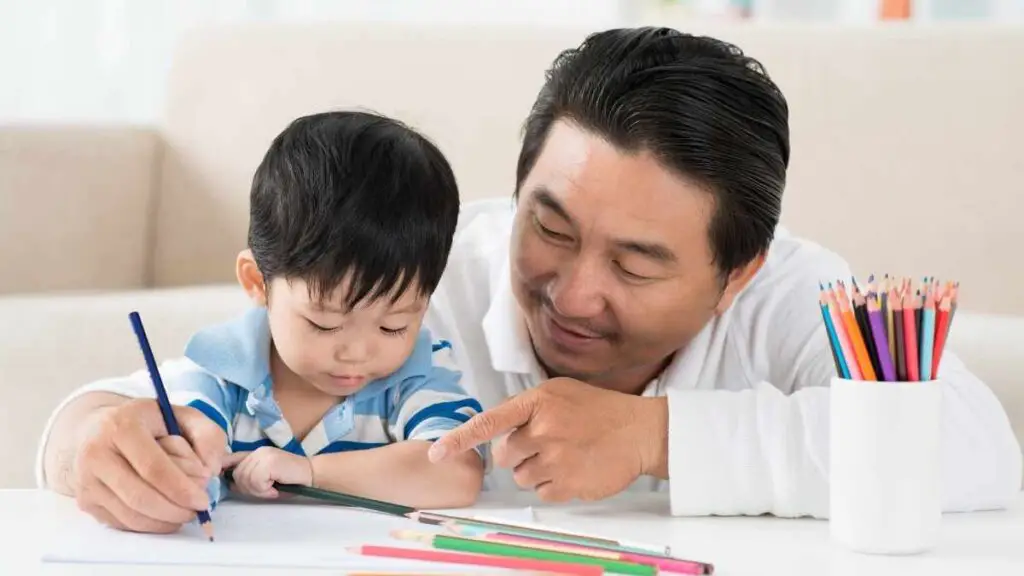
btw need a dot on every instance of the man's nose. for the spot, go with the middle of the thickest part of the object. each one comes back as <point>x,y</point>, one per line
<point>577,291</point>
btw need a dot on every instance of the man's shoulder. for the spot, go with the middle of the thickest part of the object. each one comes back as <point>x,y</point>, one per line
<point>484,227</point>
<point>798,262</point>
<point>480,248</point>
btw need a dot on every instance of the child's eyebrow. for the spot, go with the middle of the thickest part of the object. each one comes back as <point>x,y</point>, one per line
<point>411,308</point>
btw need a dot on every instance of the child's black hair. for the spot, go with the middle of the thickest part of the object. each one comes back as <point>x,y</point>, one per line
<point>353,193</point>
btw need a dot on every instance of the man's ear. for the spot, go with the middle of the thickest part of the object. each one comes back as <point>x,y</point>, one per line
<point>737,281</point>
<point>250,277</point>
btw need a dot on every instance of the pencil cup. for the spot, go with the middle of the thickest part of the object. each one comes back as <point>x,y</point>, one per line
<point>885,492</point>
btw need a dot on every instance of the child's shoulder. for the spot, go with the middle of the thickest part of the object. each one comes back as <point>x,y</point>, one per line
<point>237,351</point>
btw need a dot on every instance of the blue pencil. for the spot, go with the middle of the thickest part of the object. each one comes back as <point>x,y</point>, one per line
<point>837,350</point>
<point>165,404</point>
<point>927,338</point>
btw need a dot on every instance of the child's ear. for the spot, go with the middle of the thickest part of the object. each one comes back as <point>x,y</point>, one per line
<point>250,277</point>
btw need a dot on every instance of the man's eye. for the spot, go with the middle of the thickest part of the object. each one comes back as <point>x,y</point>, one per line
<point>629,275</point>
<point>549,232</point>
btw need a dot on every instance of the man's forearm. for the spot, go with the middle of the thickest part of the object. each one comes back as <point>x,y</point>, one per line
<point>653,436</point>
<point>401,473</point>
<point>74,423</point>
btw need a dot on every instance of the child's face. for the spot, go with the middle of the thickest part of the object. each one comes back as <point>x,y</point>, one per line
<point>339,352</point>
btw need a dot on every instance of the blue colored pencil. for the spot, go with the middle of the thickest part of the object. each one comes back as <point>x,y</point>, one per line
<point>165,404</point>
<point>837,350</point>
<point>927,337</point>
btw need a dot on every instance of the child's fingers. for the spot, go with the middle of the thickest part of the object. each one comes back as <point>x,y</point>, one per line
<point>234,459</point>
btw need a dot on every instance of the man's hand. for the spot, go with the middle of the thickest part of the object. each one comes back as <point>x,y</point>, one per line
<point>129,474</point>
<point>255,472</point>
<point>569,439</point>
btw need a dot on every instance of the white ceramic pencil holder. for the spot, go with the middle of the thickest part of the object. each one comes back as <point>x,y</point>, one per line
<point>885,484</point>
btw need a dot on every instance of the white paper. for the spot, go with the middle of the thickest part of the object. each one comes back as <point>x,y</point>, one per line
<point>272,534</point>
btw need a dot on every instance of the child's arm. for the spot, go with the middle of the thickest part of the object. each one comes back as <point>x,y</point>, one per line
<point>401,473</point>
<point>421,410</point>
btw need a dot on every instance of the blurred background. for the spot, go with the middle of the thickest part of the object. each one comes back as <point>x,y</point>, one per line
<point>108,59</point>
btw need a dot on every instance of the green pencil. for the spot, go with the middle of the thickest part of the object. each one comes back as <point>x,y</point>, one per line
<point>338,498</point>
<point>469,545</point>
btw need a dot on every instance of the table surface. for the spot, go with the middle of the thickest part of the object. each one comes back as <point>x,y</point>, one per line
<point>978,544</point>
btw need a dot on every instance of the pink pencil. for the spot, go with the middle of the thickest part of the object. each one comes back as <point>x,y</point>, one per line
<point>676,565</point>
<point>478,560</point>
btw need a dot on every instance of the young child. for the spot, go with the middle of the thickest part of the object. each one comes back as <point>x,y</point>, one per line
<point>330,381</point>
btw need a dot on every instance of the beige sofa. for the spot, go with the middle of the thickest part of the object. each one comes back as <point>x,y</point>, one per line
<point>906,159</point>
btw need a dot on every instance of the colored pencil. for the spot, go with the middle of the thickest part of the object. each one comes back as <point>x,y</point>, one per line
<point>941,332</point>
<point>861,314</point>
<point>339,498</point>
<point>480,525</point>
<point>478,560</point>
<point>844,339</point>
<point>890,325</point>
<point>910,337</point>
<point>928,335</point>
<point>675,565</point>
<point>830,330</point>
<point>881,341</point>
<point>165,404</point>
<point>896,312</point>
<point>857,339</point>
<point>476,546</point>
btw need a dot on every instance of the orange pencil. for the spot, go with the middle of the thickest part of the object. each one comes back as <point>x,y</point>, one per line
<point>941,330</point>
<point>910,336</point>
<point>856,338</point>
<point>844,339</point>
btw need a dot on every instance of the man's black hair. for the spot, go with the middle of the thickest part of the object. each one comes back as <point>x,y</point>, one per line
<point>702,107</point>
<point>353,193</point>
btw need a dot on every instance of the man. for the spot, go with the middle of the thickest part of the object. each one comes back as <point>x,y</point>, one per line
<point>643,313</point>
<point>636,317</point>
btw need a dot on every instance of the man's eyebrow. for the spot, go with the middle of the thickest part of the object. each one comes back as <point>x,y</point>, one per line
<point>545,198</point>
<point>651,250</point>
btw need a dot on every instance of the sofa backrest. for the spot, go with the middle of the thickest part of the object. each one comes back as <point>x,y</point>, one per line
<point>905,140</point>
<point>76,207</point>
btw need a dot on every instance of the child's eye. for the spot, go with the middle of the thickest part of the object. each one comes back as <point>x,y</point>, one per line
<point>320,328</point>
<point>394,331</point>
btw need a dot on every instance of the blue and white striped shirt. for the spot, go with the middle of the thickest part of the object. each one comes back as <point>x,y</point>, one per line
<point>225,373</point>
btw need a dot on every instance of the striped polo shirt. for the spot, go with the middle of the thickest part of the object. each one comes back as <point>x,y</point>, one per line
<point>225,373</point>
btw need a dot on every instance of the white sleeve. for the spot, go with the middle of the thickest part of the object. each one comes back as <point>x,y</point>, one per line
<point>187,385</point>
<point>765,449</point>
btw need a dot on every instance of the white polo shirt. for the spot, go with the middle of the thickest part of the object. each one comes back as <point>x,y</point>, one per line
<point>748,397</point>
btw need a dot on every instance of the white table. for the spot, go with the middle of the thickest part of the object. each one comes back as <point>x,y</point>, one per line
<point>977,544</point>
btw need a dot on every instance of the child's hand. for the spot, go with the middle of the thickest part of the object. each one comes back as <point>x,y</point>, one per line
<point>255,472</point>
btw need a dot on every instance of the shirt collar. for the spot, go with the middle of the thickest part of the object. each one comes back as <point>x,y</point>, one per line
<point>505,332</point>
<point>238,351</point>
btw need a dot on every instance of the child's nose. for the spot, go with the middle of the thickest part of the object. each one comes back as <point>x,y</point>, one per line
<point>353,352</point>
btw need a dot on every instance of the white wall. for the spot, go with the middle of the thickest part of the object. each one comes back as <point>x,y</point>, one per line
<point>106,60</point>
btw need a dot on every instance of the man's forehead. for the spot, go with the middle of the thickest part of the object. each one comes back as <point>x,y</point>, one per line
<point>620,192</point>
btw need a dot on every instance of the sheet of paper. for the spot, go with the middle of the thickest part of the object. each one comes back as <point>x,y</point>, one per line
<point>288,535</point>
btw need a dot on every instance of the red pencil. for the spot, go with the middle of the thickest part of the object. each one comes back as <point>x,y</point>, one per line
<point>910,307</point>
<point>941,331</point>
<point>479,560</point>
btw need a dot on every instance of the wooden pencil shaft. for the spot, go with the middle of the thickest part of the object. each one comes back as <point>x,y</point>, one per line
<point>459,544</point>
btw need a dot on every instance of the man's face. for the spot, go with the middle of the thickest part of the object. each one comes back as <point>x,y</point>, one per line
<point>611,262</point>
